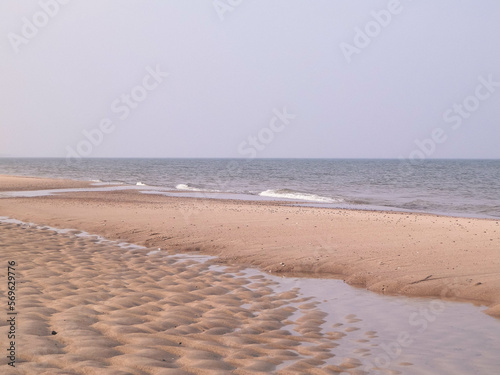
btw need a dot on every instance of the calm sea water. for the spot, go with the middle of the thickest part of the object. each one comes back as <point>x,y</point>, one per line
<point>457,187</point>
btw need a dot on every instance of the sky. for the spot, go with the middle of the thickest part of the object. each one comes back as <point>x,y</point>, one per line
<point>250,78</point>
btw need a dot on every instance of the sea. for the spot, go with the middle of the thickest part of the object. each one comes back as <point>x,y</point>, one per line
<point>469,188</point>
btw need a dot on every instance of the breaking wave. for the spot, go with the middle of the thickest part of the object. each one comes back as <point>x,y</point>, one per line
<point>292,194</point>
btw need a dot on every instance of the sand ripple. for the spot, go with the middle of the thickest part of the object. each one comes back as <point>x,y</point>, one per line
<point>90,307</point>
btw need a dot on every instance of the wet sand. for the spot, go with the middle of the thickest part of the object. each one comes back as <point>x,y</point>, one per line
<point>93,308</point>
<point>386,252</point>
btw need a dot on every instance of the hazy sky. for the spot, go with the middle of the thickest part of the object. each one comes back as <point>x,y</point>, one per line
<point>346,78</point>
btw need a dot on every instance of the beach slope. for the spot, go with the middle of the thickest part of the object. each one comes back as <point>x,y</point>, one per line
<point>386,252</point>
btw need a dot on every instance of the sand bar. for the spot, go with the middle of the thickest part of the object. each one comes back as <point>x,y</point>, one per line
<point>16,183</point>
<point>385,252</point>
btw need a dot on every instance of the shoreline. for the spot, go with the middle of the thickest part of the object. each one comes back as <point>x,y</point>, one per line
<point>388,252</point>
<point>229,195</point>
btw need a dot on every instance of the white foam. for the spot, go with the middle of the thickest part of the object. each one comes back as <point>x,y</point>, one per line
<point>290,194</point>
<point>186,187</point>
<point>140,183</point>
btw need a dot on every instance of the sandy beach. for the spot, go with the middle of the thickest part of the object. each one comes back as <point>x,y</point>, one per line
<point>91,306</point>
<point>249,188</point>
<point>385,252</point>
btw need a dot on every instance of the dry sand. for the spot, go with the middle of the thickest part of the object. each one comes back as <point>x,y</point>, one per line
<point>386,252</point>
